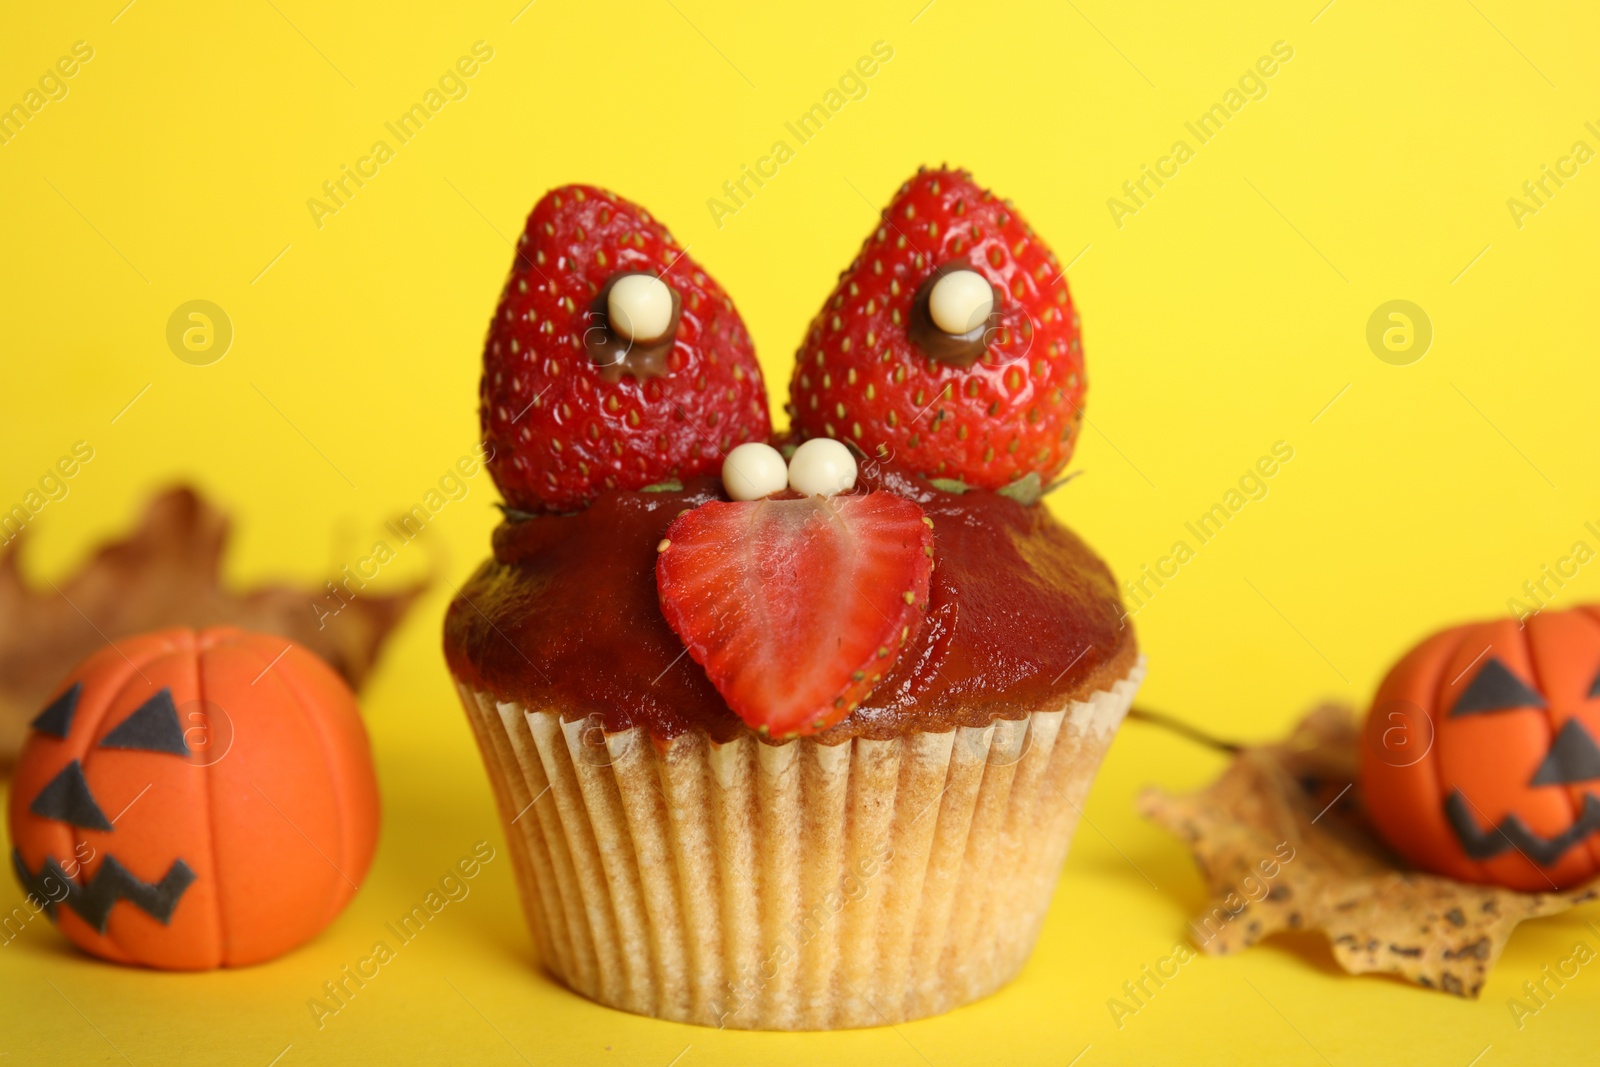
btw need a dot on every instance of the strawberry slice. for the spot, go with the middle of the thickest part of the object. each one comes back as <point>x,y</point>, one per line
<point>796,608</point>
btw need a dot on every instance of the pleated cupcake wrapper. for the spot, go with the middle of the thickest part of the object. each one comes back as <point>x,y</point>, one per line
<point>790,887</point>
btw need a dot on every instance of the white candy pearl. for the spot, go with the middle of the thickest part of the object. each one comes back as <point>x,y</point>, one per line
<point>822,466</point>
<point>640,307</point>
<point>960,301</point>
<point>753,470</point>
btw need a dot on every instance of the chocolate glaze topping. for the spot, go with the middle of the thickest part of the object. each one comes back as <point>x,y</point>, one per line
<point>565,617</point>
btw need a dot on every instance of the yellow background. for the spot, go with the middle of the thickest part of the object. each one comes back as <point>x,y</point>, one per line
<point>1224,316</point>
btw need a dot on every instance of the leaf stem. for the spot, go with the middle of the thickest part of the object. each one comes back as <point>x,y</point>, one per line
<point>1183,729</point>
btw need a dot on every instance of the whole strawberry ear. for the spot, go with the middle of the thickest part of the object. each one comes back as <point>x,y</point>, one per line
<point>951,342</point>
<point>614,361</point>
<point>796,608</point>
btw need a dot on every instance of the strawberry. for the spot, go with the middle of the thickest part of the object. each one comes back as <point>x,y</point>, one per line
<point>988,407</point>
<point>796,608</point>
<point>570,406</point>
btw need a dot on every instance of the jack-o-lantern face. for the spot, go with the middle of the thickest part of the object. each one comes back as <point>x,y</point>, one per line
<point>1481,756</point>
<point>193,800</point>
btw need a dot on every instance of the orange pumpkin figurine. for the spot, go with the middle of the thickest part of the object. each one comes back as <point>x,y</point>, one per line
<point>195,799</point>
<point>1480,758</point>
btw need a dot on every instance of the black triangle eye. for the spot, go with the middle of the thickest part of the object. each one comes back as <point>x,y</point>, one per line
<point>56,719</point>
<point>1594,687</point>
<point>153,727</point>
<point>1496,689</point>
<point>1573,757</point>
<point>66,798</point>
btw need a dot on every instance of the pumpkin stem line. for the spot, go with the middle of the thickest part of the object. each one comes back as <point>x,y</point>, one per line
<point>1183,729</point>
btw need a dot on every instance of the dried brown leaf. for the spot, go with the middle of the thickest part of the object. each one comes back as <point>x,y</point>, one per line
<point>166,572</point>
<point>1303,794</point>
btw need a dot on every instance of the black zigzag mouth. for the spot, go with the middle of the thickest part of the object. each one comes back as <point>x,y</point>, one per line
<point>1513,833</point>
<point>112,882</point>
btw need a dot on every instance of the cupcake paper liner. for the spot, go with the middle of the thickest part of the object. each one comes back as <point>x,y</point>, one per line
<point>799,886</point>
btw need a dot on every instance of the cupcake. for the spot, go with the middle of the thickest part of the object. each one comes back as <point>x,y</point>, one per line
<point>789,733</point>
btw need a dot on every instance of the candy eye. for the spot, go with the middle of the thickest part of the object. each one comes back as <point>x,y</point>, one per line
<point>960,301</point>
<point>1496,689</point>
<point>953,315</point>
<point>822,467</point>
<point>640,307</point>
<point>754,470</point>
<point>819,467</point>
<point>632,325</point>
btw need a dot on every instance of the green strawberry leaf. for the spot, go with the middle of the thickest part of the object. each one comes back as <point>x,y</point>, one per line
<point>513,514</point>
<point>950,485</point>
<point>1026,490</point>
